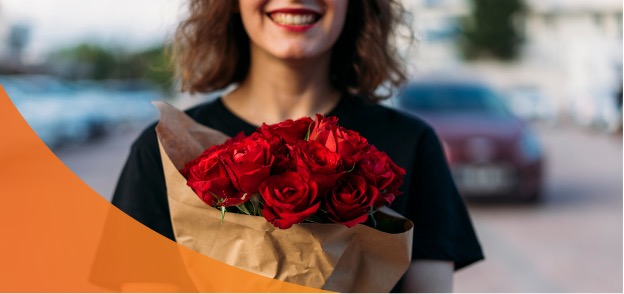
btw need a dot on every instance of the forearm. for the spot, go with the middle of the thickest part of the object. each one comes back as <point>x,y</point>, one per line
<point>432,276</point>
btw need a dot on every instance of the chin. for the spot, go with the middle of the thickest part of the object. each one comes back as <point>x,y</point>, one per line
<point>294,56</point>
<point>296,52</point>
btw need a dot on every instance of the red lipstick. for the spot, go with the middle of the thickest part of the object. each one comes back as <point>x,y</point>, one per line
<point>276,14</point>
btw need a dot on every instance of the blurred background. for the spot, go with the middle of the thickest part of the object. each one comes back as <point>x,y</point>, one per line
<point>526,96</point>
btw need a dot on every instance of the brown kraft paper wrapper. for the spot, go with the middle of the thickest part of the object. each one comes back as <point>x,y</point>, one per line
<point>324,256</point>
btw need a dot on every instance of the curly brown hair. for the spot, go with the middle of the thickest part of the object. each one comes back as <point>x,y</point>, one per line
<point>211,48</point>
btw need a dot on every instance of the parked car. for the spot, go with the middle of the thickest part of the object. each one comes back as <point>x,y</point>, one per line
<point>63,113</point>
<point>491,152</point>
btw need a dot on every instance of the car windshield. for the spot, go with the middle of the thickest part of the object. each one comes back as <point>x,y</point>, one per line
<point>452,98</point>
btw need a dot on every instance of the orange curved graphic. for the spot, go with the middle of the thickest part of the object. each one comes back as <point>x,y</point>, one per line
<point>60,235</point>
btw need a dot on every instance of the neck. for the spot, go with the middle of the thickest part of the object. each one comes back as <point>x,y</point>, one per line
<point>276,89</point>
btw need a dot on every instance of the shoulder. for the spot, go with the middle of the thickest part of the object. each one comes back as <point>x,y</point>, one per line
<point>387,124</point>
<point>388,116</point>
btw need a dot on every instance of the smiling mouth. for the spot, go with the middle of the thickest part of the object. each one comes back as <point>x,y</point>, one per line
<point>294,18</point>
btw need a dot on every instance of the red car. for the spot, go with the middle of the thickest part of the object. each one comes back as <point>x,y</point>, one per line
<point>491,152</point>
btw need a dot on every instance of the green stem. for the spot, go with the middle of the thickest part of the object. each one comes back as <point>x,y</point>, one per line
<point>222,213</point>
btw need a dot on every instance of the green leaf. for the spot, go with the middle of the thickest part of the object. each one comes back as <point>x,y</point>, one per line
<point>314,219</point>
<point>374,221</point>
<point>371,215</point>
<point>307,137</point>
<point>255,202</point>
<point>222,213</point>
<point>243,208</point>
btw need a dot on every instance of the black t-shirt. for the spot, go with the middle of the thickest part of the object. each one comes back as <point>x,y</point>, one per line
<point>442,227</point>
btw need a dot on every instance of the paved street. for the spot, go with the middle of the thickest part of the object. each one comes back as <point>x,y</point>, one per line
<point>570,242</point>
<point>99,163</point>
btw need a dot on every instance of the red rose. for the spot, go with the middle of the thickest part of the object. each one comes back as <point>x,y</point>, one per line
<point>289,130</point>
<point>289,199</point>
<point>208,177</point>
<point>324,165</point>
<point>248,163</point>
<point>324,131</point>
<point>383,173</point>
<point>335,168</point>
<point>398,179</point>
<point>350,202</point>
<point>351,146</point>
<point>212,149</point>
<point>283,160</point>
<point>239,137</point>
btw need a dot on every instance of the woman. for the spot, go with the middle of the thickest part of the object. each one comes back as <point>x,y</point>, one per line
<point>298,58</point>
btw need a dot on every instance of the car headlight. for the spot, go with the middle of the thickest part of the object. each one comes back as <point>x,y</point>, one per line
<point>530,147</point>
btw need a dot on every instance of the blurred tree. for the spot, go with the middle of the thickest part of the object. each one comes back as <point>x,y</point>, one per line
<point>157,66</point>
<point>493,29</point>
<point>96,62</point>
<point>86,61</point>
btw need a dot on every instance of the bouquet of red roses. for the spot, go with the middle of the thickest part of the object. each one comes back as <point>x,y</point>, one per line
<point>286,202</point>
<point>297,171</point>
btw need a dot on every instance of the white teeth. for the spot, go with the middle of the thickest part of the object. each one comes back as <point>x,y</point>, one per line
<point>293,19</point>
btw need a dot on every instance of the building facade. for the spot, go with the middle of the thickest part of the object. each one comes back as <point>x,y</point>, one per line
<point>571,57</point>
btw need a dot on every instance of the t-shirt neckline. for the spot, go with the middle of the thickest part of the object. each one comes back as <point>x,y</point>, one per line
<point>238,123</point>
